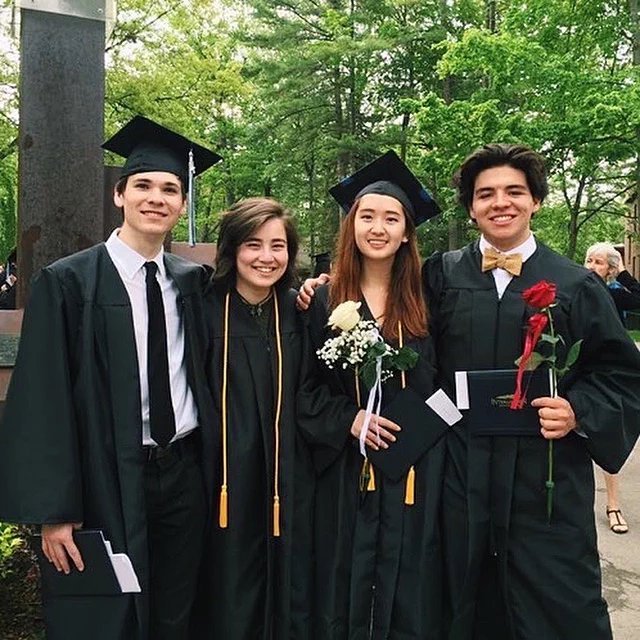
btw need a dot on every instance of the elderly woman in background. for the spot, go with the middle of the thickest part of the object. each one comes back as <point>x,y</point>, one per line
<point>603,259</point>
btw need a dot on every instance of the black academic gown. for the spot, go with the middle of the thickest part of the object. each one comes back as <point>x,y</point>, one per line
<point>378,560</point>
<point>71,436</point>
<point>255,585</point>
<point>511,574</point>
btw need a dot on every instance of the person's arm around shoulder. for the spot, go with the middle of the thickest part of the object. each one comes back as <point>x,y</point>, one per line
<point>307,290</point>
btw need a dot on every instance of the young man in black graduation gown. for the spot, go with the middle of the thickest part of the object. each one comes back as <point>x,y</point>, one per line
<point>511,572</point>
<point>107,420</point>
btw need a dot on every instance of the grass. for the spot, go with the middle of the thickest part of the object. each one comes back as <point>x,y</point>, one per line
<point>635,334</point>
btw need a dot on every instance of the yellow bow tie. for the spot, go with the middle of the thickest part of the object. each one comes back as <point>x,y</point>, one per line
<point>511,262</point>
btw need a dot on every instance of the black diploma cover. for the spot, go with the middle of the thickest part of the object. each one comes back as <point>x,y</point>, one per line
<point>98,577</point>
<point>487,395</point>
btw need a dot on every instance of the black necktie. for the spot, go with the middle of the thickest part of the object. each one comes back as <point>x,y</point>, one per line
<point>161,419</point>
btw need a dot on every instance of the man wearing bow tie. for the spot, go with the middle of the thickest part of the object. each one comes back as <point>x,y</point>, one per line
<point>512,572</point>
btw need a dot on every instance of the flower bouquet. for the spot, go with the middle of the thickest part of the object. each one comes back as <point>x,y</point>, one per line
<point>360,345</point>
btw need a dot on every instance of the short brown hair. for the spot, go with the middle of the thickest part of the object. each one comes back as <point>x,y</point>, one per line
<point>517,156</point>
<point>238,224</point>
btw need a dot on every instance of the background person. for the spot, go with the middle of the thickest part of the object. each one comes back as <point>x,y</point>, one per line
<point>604,259</point>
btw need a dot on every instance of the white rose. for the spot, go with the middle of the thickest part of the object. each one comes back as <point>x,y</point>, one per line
<point>345,316</point>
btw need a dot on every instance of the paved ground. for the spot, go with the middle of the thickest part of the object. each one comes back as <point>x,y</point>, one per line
<point>620,554</point>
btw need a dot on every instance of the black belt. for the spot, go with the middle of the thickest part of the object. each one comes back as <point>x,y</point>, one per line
<point>184,447</point>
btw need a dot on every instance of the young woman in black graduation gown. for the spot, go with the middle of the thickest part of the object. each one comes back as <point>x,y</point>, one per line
<point>256,574</point>
<point>378,568</point>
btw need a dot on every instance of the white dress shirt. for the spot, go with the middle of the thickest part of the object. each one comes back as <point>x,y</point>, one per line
<point>130,266</point>
<point>502,277</point>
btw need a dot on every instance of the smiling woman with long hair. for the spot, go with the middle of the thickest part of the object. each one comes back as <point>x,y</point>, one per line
<point>378,571</point>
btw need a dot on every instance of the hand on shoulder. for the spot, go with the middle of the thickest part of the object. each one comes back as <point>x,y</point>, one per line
<point>307,290</point>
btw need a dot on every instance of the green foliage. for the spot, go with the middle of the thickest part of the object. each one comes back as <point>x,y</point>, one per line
<point>400,360</point>
<point>8,137</point>
<point>10,540</point>
<point>295,96</point>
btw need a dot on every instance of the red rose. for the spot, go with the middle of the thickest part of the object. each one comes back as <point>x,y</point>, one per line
<point>541,295</point>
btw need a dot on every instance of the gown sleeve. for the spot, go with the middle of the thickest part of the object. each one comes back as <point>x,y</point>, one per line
<point>40,468</point>
<point>626,298</point>
<point>325,415</point>
<point>605,390</point>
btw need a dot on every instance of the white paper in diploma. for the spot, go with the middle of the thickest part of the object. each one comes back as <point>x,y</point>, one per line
<point>123,568</point>
<point>444,407</point>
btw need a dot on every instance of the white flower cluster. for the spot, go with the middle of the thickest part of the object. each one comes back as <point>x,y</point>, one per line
<point>351,347</point>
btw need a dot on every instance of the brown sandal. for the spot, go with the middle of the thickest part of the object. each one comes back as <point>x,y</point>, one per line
<point>619,525</point>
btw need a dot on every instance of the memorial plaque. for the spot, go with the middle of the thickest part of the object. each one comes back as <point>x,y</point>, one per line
<point>8,350</point>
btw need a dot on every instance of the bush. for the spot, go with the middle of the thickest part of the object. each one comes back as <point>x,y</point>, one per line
<point>10,540</point>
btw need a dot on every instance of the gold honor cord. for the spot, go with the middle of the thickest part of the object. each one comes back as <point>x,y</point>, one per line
<point>410,491</point>
<point>224,517</point>
<point>276,475</point>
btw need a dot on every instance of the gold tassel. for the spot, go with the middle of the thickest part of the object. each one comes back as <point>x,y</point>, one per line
<point>410,493</point>
<point>276,516</point>
<point>372,478</point>
<point>223,519</point>
<point>410,489</point>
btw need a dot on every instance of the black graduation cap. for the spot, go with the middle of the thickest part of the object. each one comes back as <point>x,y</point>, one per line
<point>148,146</point>
<point>421,428</point>
<point>387,175</point>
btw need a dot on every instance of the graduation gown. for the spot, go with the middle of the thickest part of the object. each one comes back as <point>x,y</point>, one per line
<point>71,435</point>
<point>511,574</point>
<point>255,585</point>
<point>378,560</point>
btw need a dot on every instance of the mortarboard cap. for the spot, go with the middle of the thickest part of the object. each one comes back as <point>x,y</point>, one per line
<point>421,428</point>
<point>387,175</point>
<point>148,146</point>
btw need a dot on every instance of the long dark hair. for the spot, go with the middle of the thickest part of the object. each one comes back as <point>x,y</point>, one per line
<point>405,298</point>
<point>238,224</point>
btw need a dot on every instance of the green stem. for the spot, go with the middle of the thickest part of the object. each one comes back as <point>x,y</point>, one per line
<point>550,484</point>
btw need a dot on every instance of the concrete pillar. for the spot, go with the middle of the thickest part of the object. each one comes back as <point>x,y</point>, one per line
<point>60,191</point>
